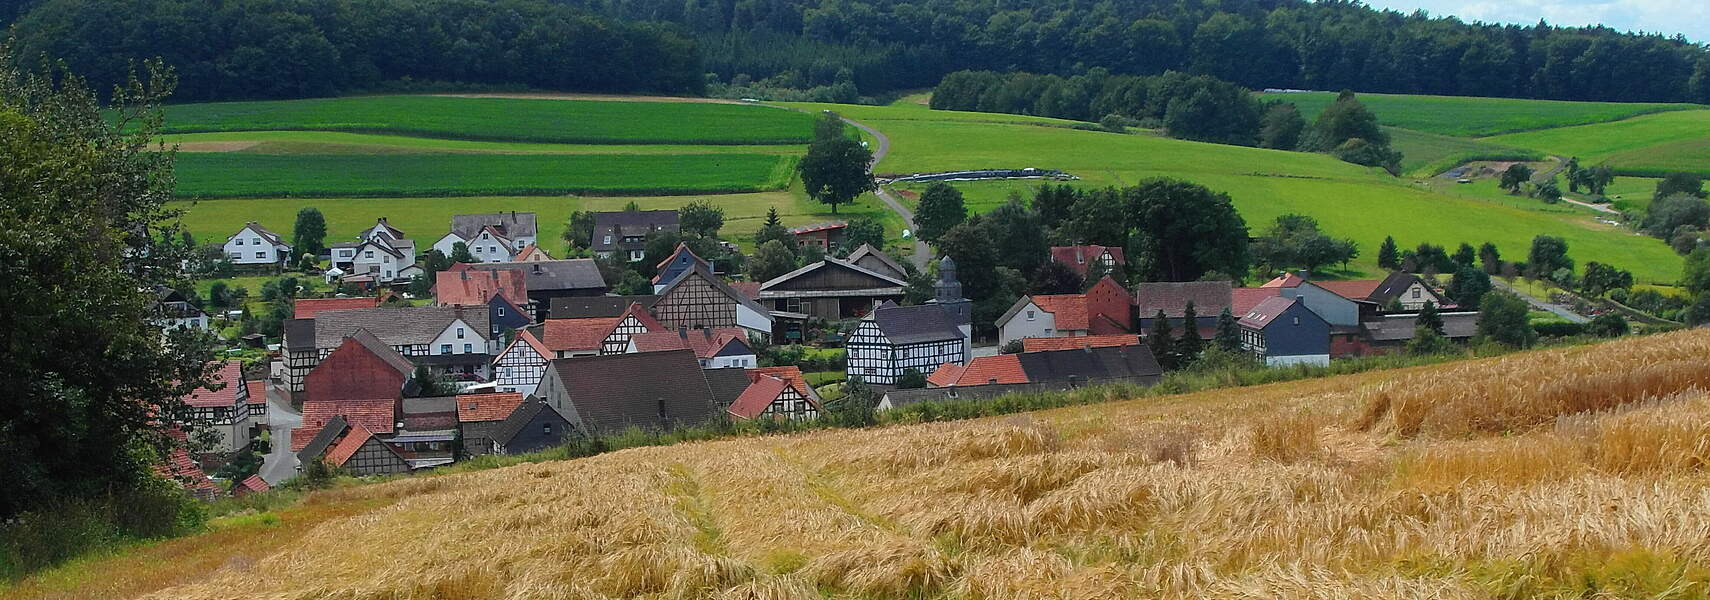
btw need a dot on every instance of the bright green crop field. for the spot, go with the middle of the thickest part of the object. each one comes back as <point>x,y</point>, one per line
<point>1469,116</point>
<point>202,175</point>
<point>1348,200</point>
<point>338,142</point>
<point>505,119</point>
<point>1649,145</point>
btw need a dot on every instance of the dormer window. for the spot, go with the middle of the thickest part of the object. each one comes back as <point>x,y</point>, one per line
<point>460,333</point>
<point>1416,293</point>
<point>1030,315</point>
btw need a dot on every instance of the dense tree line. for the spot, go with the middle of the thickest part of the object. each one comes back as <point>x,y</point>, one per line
<point>245,49</point>
<point>1324,45</point>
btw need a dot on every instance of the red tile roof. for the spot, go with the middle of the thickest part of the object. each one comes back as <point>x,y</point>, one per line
<point>251,484</point>
<point>818,227</point>
<point>1003,368</point>
<point>307,308</point>
<point>1078,258</point>
<point>760,394</point>
<point>475,288</point>
<point>790,374</point>
<point>705,342</point>
<point>588,334</point>
<point>1069,309</point>
<point>1353,290</point>
<point>751,289</point>
<point>1285,280</point>
<point>230,374</point>
<point>378,416</point>
<point>1100,324</point>
<point>1075,343</point>
<point>347,447</point>
<point>257,391</point>
<point>486,407</point>
<point>531,252</point>
<point>1242,300</point>
<point>180,468</point>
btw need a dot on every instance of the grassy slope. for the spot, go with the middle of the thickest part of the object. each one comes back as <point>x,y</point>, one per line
<point>1646,145</point>
<point>261,175</point>
<point>1467,116</point>
<point>1348,200</point>
<point>505,119</point>
<point>1517,483</point>
<point>1427,154</point>
<point>337,142</point>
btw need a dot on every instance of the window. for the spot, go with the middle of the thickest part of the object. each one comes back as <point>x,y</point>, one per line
<point>546,429</point>
<point>501,311</point>
<point>240,241</point>
<point>255,241</point>
<point>1297,320</point>
<point>344,253</point>
<point>608,240</point>
<point>460,333</point>
<point>445,348</point>
<point>1030,315</point>
<point>236,255</point>
<point>368,254</point>
<point>468,348</point>
<point>1416,293</point>
<point>484,236</point>
<point>261,255</point>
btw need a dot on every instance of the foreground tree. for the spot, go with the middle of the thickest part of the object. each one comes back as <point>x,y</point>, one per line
<point>1502,318</point>
<point>834,171</point>
<point>94,383</point>
<point>579,231</point>
<point>309,234</point>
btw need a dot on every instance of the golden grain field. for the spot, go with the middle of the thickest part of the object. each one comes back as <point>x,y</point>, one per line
<point>1563,473</point>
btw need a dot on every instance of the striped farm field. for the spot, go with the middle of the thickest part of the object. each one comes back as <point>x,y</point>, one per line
<point>321,175</point>
<point>505,119</point>
<point>1649,145</point>
<point>338,142</point>
<point>1471,116</point>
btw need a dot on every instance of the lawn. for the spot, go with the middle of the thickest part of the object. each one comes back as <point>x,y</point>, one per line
<point>1347,199</point>
<point>1427,154</point>
<point>505,119</point>
<point>1648,145</point>
<point>1471,116</point>
<point>427,218</point>
<point>338,142</point>
<point>206,175</point>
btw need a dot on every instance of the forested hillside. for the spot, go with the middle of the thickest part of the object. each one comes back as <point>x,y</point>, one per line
<point>249,49</point>
<point>837,50</point>
<point>1327,45</point>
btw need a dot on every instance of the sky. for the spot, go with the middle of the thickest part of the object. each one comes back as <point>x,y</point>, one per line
<point>1668,17</point>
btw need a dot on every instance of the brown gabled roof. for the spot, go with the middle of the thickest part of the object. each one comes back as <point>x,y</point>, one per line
<point>307,308</point>
<point>341,452</point>
<point>230,375</point>
<point>377,415</point>
<point>760,394</point>
<point>748,289</point>
<point>983,370</point>
<point>706,343</point>
<point>818,227</point>
<point>791,374</point>
<point>486,407</point>
<point>257,391</point>
<point>569,335</point>
<point>1070,310</point>
<point>650,390</point>
<point>183,470</point>
<point>1360,290</point>
<point>250,485</point>
<point>1078,258</point>
<point>380,350</point>
<point>468,287</point>
<point>1286,280</point>
<point>531,252</point>
<point>1039,344</point>
<point>1244,299</point>
<point>1266,311</point>
<point>1208,297</point>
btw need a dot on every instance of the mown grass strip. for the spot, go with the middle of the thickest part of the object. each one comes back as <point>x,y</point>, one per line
<point>505,119</point>
<point>232,175</point>
<point>1472,116</point>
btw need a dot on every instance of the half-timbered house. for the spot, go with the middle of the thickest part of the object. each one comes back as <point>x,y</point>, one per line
<point>571,338</point>
<point>893,339</point>
<point>448,340</point>
<point>519,366</point>
<point>224,411</point>
<point>697,299</point>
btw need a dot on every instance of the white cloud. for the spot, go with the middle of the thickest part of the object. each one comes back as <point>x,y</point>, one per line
<point>1668,17</point>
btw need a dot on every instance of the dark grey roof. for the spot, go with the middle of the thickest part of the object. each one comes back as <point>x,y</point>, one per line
<point>299,334</point>
<point>874,260</point>
<point>590,307</point>
<point>271,237</point>
<point>1392,287</point>
<point>524,414</point>
<point>456,360</point>
<point>916,324</point>
<point>397,326</point>
<point>651,390</point>
<point>512,224</point>
<point>726,384</point>
<point>1209,298</point>
<point>1266,311</point>
<point>1086,365</point>
<point>632,222</point>
<point>431,404</point>
<point>1399,327</point>
<point>385,352</point>
<point>552,275</point>
<point>318,446</point>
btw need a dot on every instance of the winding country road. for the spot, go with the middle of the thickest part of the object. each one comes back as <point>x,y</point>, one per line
<point>281,463</point>
<point>922,254</point>
<point>1541,304</point>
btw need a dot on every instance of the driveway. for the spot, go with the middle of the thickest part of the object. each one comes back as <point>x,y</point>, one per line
<point>922,254</point>
<point>1556,309</point>
<point>281,464</point>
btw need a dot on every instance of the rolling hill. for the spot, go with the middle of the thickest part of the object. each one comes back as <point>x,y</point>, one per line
<point>1554,473</point>
<point>1466,116</point>
<point>1649,145</point>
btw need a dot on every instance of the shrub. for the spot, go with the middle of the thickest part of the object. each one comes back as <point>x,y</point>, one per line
<point>1608,325</point>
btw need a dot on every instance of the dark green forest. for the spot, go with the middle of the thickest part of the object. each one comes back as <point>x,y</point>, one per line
<point>250,49</point>
<point>842,49</point>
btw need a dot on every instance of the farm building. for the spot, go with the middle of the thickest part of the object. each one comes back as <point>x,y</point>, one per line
<point>698,299</point>
<point>649,390</point>
<point>830,289</point>
<point>824,236</point>
<point>1209,300</point>
<point>1103,310</point>
<point>1283,331</point>
<point>548,279</point>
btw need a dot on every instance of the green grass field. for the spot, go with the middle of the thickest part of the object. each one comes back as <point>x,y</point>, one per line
<point>337,142</point>
<point>1469,116</point>
<point>1427,154</point>
<point>1347,199</point>
<point>505,119</point>
<point>1649,145</point>
<point>320,175</point>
